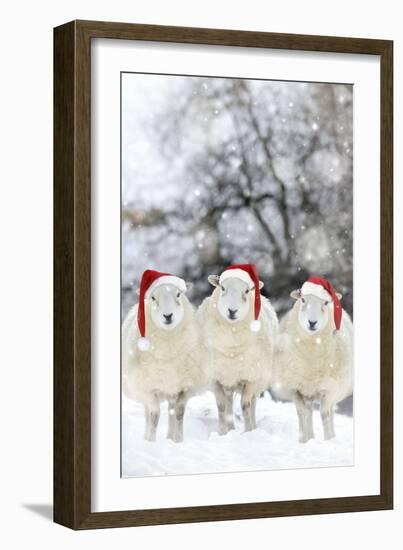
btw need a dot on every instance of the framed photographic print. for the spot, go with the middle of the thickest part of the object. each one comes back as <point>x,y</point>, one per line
<point>222,275</point>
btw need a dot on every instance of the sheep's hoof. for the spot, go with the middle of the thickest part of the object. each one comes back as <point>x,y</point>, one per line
<point>231,426</point>
<point>305,438</point>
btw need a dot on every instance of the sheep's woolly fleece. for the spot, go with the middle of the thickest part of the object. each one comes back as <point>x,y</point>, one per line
<point>233,353</point>
<point>171,365</point>
<point>314,364</point>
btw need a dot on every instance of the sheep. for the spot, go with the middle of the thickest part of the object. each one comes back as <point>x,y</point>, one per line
<point>314,355</point>
<point>167,367</point>
<point>238,354</point>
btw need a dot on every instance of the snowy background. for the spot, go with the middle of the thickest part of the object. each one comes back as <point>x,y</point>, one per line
<point>218,171</point>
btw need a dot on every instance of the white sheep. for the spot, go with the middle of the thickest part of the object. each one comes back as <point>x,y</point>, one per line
<point>167,365</point>
<point>314,355</point>
<point>238,339</point>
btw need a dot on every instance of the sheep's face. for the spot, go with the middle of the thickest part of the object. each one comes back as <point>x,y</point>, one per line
<point>234,298</point>
<point>313,312</point>
<point>166,307</point>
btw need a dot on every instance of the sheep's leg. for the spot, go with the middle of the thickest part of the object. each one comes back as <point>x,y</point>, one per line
<point>152,418</point>
<point>253,412</point>
<point>304,418</point>
<point>309,419</point>
<point>229,408</point>
<point>180,406</point>
<point>147,422</point>
<point>327,414</point>
<point>219,393</point>
<point>171,419</point>
<point>246,405</point>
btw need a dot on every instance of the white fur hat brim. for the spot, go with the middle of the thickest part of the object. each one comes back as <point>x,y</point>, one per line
<point>313,289</point>
<point>238,274</point>
<point>166,280</point>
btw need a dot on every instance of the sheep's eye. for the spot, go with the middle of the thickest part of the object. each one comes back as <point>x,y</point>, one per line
<point>222,288</point>
<point>178,294</point>
<point>153,298</point>
<point>326,303</point>
<point>303,300</point>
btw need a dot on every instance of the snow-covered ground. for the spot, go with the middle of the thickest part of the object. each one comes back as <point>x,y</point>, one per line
<point>272,446</point>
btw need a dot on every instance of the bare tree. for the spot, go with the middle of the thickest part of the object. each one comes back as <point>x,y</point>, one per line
<point>264,175</point>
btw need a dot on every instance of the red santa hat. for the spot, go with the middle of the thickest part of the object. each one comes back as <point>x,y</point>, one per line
<point>324,290</point>
<point>149,282</point>
<point>247,273</point>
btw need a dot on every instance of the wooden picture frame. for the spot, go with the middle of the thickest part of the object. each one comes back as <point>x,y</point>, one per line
<point>72,274</point>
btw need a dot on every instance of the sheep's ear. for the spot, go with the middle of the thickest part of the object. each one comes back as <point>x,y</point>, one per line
<point>214,280</point>
<point>188,286</point>
<point>261,285</point>
<point>138,292</point>
<point>340,296</point>
<point>296,294</point>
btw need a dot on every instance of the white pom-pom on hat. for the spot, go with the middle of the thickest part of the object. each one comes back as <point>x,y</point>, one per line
<point>255,325</point>
<point>143,344</point>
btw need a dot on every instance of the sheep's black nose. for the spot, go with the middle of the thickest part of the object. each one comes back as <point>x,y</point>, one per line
<point>232,313</point>
<point>168,318</point>
<point>312,325</point>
